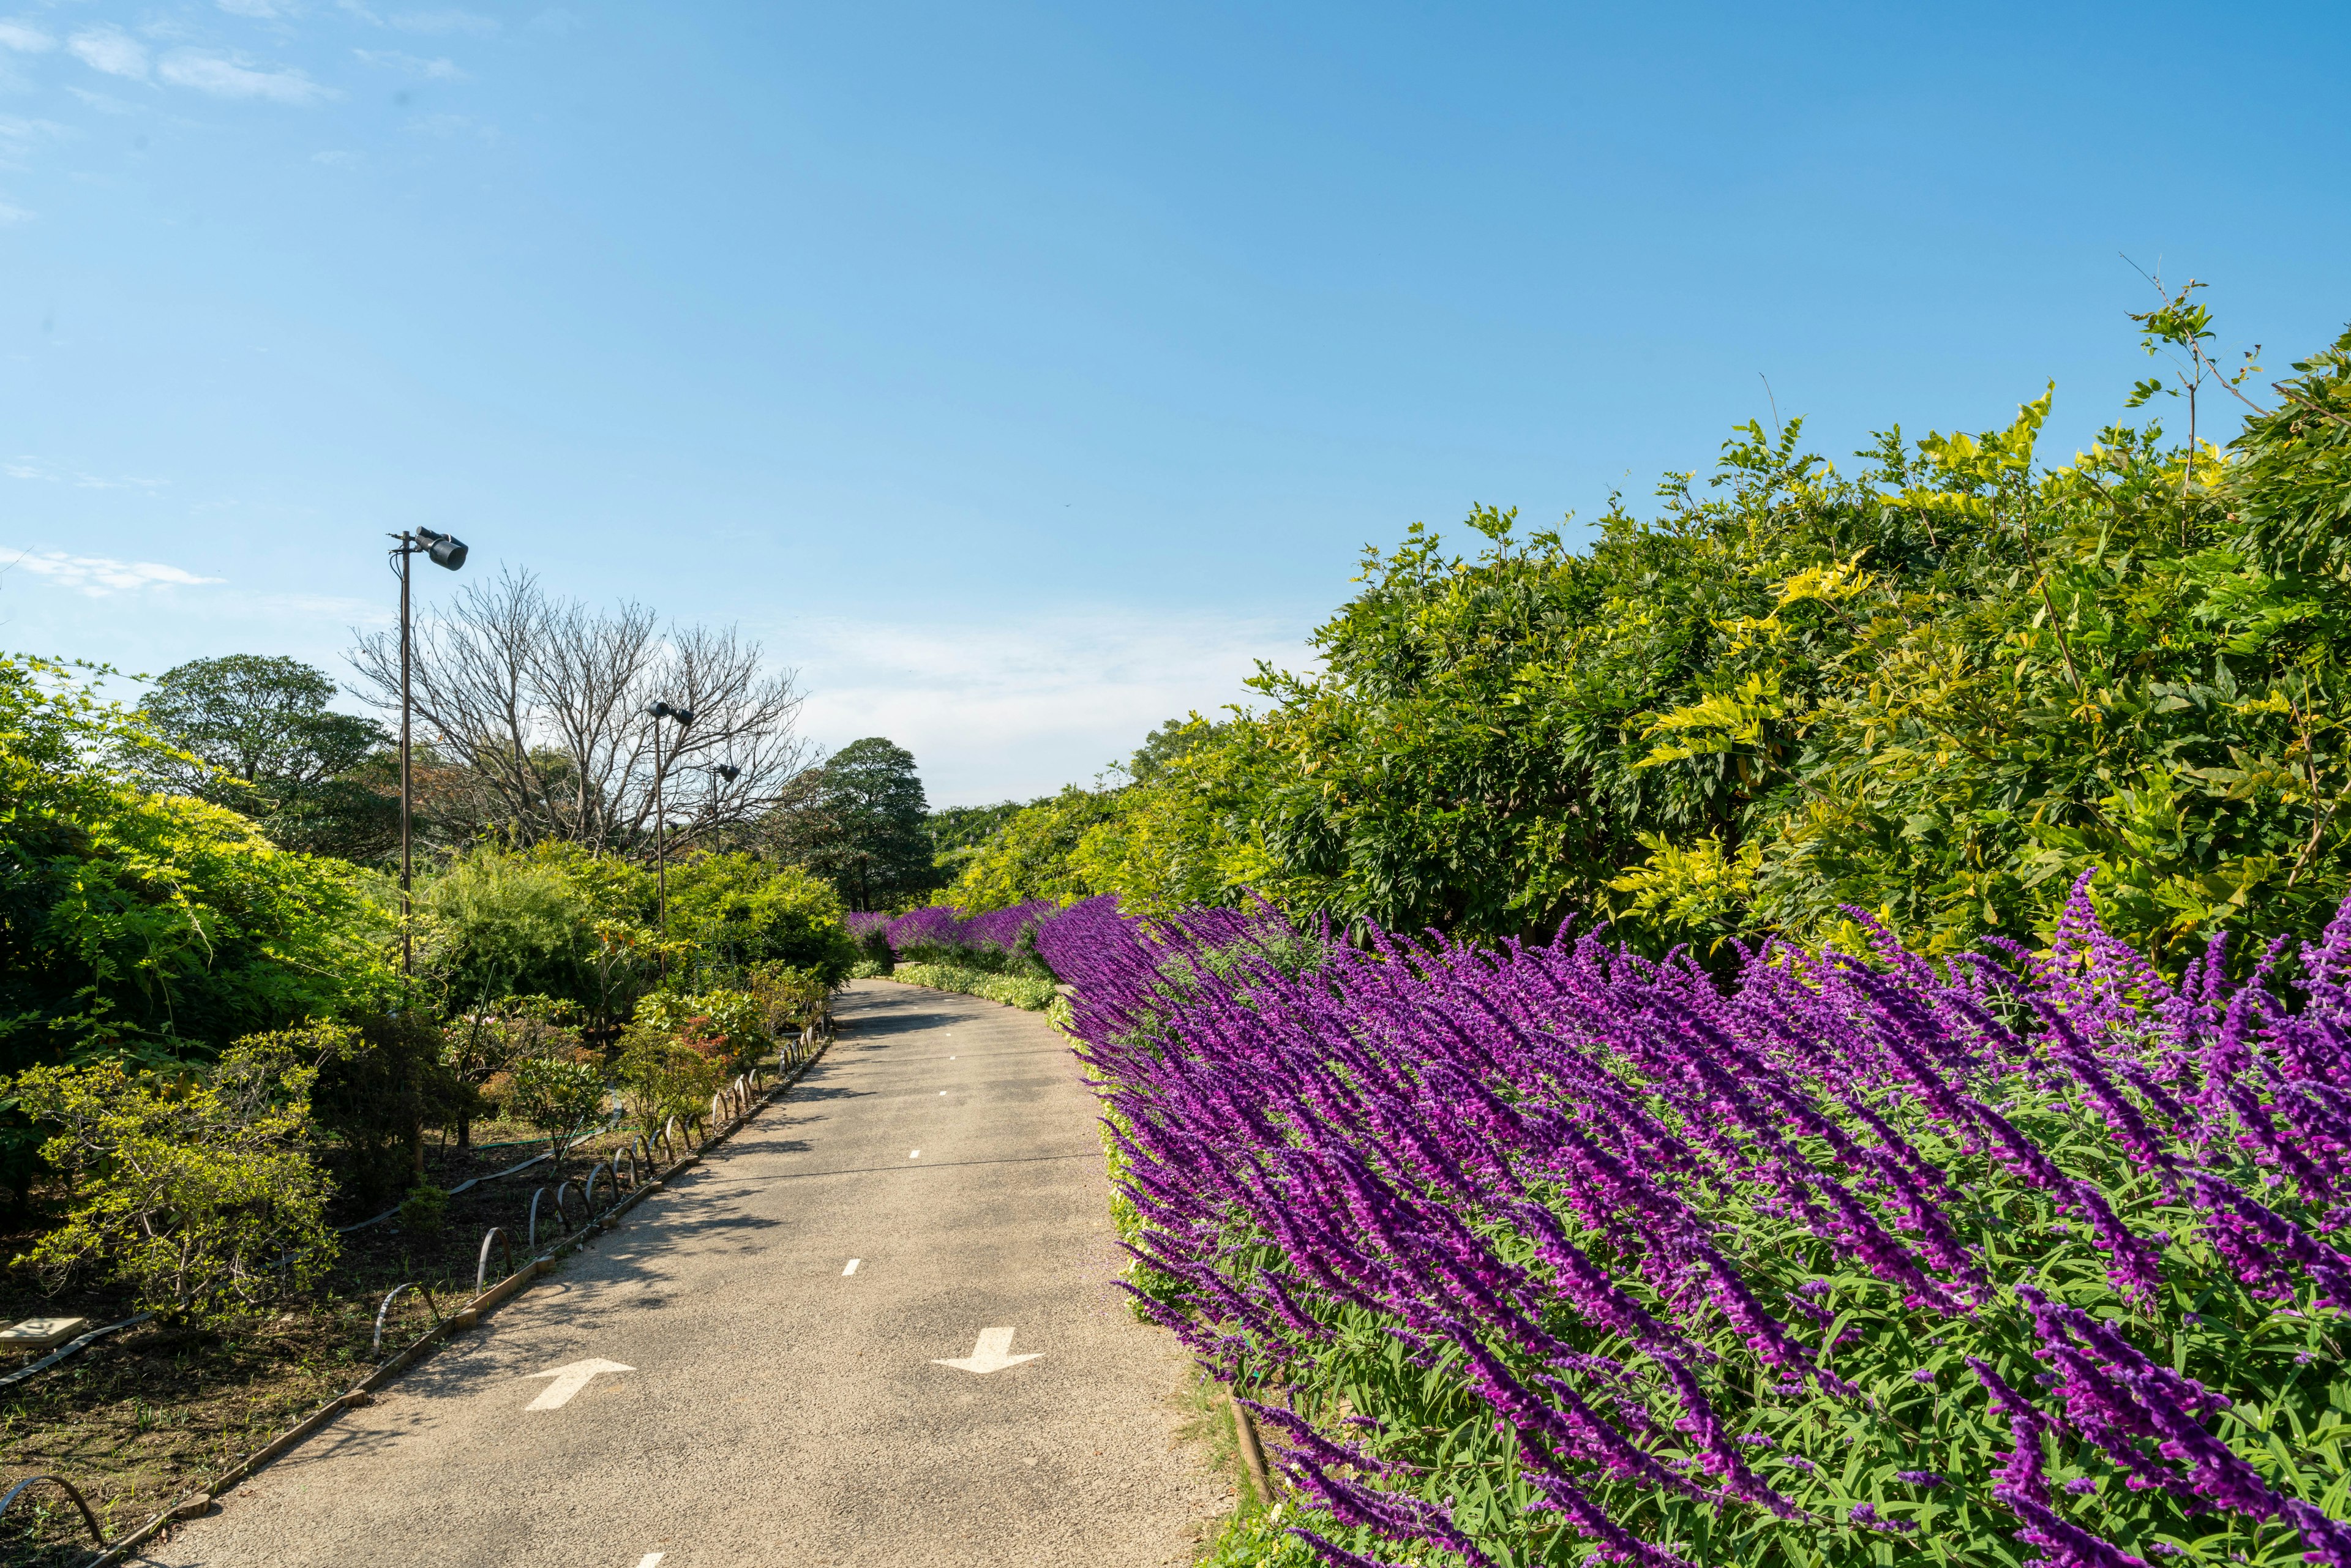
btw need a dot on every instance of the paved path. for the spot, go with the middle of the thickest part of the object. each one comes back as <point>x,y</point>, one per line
<point>780,1413</point>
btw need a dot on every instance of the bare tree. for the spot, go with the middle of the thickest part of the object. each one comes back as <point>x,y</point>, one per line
<point>542,704</point>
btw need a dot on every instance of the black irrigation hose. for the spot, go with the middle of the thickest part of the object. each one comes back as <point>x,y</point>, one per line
<point>55,1356</point>
<point>86,1517</point>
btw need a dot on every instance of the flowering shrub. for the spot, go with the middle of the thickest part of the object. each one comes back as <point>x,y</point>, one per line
<point>999,940</point>
<point>1551,1252</point>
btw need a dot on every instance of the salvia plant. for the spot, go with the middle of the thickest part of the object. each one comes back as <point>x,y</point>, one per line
<point>1550,1254</point>
<point>944,933</point>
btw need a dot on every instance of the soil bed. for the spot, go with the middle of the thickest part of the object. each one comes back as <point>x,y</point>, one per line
<point>142,1418</point>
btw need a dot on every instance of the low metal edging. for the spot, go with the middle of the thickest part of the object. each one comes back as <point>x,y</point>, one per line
<point>467,1316</point>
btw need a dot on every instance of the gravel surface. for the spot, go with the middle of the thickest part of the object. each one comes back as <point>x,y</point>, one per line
<point>778,1411</point>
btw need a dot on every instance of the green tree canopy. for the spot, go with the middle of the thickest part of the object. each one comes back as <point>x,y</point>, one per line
<point>861,822</point>
<point>258,736</point>
<point>143,927</point>
<point>1938,687</point>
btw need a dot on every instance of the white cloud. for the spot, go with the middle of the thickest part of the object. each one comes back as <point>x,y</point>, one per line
<point>18,135</point>
<point>412,65</point>
<point>223,78</point>
<point>37,468</point>
<point>111,50</point>
<point>104,103</point>
<point>97,575</point>
<point>24,38</point>
<point>261,8</point>
<point>14,214</point>
<point>334,157</point>
<point>448,21</point>
<point>994,712</point>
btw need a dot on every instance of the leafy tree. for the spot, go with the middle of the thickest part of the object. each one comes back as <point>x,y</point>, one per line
<point>259,737</point>
<point>859,820</point>
<point>142,927</point>
<point>1032,856</point>
<point>1939,688</point>
<point>957,833</point>
<point>196,1188</point>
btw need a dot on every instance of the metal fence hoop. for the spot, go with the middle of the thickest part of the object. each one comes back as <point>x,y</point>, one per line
<point>668,1146</point>
<point>422,1289</point>
<point>636,1172</point>
<point>559,1215</point>
<point>530,1243</point>
<point>88,1518</point>
<point>482,1268</point>
<point>588,1196</point>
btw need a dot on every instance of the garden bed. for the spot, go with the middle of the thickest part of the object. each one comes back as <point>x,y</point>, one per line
<point>145,1416</point>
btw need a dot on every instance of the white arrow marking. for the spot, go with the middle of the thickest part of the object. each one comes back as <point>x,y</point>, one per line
<point>651,1559</point>
<point>853,1262</point>
<point>990,1355</point>
<point>569,1381</point>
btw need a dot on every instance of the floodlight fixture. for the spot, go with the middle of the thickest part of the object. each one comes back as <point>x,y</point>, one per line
<point>446,550</point>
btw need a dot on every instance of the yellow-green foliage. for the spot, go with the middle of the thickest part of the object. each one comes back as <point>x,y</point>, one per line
<point>661,1076</point>
<point>741,911</point>
<point>1024,991</point>
<point>144,927</point>
<point>196,1188</point>
<point>1030,856</point>
<point>1939,687</point>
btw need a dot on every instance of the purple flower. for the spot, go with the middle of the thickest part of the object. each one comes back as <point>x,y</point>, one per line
<point>1919,1477</point>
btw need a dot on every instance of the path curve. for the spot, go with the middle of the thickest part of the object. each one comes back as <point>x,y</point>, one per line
<point>777,1412</point>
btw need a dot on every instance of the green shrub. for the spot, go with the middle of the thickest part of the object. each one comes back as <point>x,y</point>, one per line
<point>739,911</point>
<point>376,1098</point>
<point>661,1076</point>
<point>143,927</point>
<point>424,1211</point>
<point>559,1098</point>
<point>1024,991</point>
<point>196,1188</point>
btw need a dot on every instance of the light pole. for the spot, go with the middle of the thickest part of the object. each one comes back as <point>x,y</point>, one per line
<point>685,716</point>
<point>445,552</point>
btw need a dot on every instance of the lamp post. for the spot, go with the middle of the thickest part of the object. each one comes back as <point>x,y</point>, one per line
<point>445,550</point>
<point>685,716</point>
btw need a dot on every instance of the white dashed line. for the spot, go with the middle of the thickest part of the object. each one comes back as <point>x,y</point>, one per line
<point>651,1559</point>
<point>853,1262</point>
<point>914,1153</point>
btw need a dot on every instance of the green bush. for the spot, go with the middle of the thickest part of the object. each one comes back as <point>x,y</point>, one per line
<point>1025,991</point>
<point>1939,685</point>
<point>424,1211</point>
<point>376,1099</point>
<point>739,911</point>
<point>197,1188</point>
<point>146,928</point>
<point>559,1098</point>
<point>662,1076</point>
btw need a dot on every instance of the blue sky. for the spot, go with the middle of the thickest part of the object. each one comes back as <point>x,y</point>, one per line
<point>1020,373</point>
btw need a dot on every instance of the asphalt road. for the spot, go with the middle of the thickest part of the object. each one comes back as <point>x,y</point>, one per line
<point>777,1409</point>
